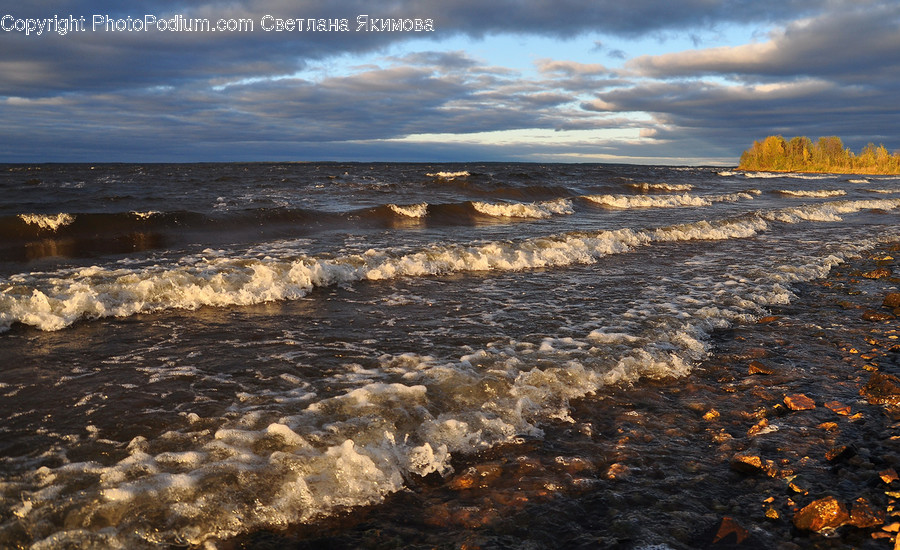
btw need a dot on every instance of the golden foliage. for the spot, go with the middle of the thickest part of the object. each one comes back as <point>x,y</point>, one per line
<point>827,154</point>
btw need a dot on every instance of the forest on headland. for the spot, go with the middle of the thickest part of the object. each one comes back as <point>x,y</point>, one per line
<point>827,154</point>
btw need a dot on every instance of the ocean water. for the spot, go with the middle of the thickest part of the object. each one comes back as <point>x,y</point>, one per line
<point>192,353</point>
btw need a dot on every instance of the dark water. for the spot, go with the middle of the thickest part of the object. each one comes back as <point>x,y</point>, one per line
<point>194,353</point>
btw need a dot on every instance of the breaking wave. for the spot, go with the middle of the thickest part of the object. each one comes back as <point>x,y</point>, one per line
<point>55,301</point>
<point>538,210</point>
<point>817,193</point>
<point>663,187</point>
<point>449,175</point>
<point>48,221</point>
<point>666,201</point>
<point>411,210</point>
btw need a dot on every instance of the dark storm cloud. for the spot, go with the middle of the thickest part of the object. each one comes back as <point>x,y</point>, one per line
<point>50,64</point>
<point>835,74</point>
<point>826,68</point>
<point>857,43</point>
<point>376,103</point>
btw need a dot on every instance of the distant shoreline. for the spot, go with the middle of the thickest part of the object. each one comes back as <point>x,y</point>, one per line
<point>839,173</point>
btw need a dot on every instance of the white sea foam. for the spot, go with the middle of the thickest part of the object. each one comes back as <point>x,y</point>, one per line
<point>411,210</point>
<point>145,215</point>
<point>883,191</point>
<point>264,467</point>
<point>538,210</point>
<point>763,175</point>
<point>449,175</point>
<point>817,193</point>
<point>665,201</point>
<point>670,187</point>
<point>48,221</point>
<point>791,175</point>
<point>859,180</point>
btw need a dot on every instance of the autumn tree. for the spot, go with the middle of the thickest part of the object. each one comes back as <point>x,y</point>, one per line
<point>827,154</point>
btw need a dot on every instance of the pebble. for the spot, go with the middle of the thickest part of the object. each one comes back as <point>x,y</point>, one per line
<point>799,402</point>
<point>821,514</point>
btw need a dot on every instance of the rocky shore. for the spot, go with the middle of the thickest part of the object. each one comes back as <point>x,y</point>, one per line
<point>788,437</point>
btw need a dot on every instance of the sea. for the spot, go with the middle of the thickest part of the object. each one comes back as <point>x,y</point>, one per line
<point>251,354</point>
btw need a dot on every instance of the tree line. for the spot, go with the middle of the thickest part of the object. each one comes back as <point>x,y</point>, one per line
<point>828,154</point>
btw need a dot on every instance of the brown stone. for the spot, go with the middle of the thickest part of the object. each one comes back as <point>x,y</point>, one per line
<point>839,408</point>
<point>882,389</point>
<point>480,476</point>
<point>799,402</point>
<point>842,452</point>
<point>872,315</point>
<point>862,514</point>
<point>757,367</point>
<point>825,513</point>
<point>729,527</point>
<point>888,476</point>
<point>759,427</point>
<point>768,319</point>
<point>617,471</point>
<point>878,273</point>
<point>892,300</point>
<point>747,464</point>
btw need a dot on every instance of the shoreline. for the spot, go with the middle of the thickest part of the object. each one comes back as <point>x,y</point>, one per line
<point>816,172</point>
<point>734,456</point>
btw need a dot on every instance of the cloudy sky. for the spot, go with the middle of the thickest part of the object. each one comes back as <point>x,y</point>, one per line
<point>640,81</point>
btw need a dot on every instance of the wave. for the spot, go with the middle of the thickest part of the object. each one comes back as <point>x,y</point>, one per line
<point>449,175</point>
<point>820,193</point>
<point>55,301</point>
<point>411,210</point>
<point>667,201</point>
<point>883,191</point>
<point>539,210</point>
<point>663,187</point>
<point>50,222</point>
<point>287,455</point>
<point>790,175</point>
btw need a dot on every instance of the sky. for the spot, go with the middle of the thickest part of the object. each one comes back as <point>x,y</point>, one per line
<point>675,82</point>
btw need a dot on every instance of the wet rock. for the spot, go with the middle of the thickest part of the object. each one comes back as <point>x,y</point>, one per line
<point>761,427</point>
<point>768,319</point>
<point>480,476</point>
<point>839,408</point>
<point>842,452</point>
<point>753,464</point>
<point>747,464</point>
<point>799,402</point>
<point>888,476</point>
<point>757,367</point>
<point>892,300</point>
<point>862,514</point>
<point>872,315</point>
<point>617,471</point>
<point>821,514</point>
<point>878,273</point>
<point>730,531</point>
<point>882,389</point>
